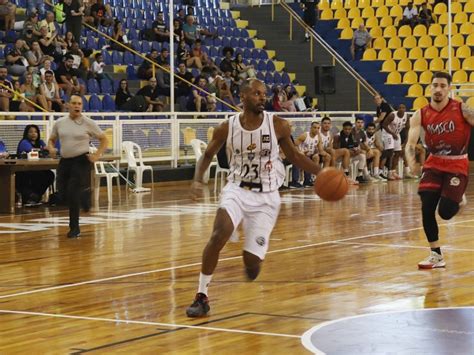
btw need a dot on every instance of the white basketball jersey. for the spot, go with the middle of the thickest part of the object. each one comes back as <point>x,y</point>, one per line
<point>254,155</point>
<point>310,145</point>
<point>326,139</point>
<point>398,123</point>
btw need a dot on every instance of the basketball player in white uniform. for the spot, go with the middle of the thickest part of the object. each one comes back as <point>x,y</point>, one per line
<point>251,196</point>
<point>392,126</point>
<point>311,145</point>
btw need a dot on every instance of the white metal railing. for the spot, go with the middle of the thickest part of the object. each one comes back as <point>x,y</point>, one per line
<point>164,136</point>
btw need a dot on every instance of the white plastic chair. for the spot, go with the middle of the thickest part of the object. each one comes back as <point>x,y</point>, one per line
<point>135,163</point>
<point>223,172</point>
<point>288,171</point>
<point>101,172</point>
<point>198,147</point>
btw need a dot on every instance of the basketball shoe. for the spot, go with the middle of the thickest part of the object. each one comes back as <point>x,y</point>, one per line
<point>199,307</point>
<point>433,261</point>
<point>74,232</point>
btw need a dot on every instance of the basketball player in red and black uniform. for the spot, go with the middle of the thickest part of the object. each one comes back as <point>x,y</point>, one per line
<point>447,125</point>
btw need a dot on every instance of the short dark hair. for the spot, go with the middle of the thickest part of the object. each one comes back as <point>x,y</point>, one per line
<point>347,124</point>
<point>68,57</point>
<point>371,124</point>
<point>325,118</point>
<point>312,123</point>
<point>228,50</point>
<point>72,95</point>
<point>358,119</point>
<point>49,72</point>
<point>443,75</point>
<point>97,55</point>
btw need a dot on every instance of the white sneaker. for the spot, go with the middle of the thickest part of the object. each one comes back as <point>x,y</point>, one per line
<point>462,204</point>
<point>433,261</point>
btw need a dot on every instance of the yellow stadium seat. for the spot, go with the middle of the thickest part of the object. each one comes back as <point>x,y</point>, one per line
<point>343,23</point>
<point>340,13</point>
<point>457,40</point>
<point>336,4</point>
<point>400,53</point>
<point>386,21</point>
<point>428,90</point>
<point>471,19</point>
<point>394,78</point>
<point>350,4</point>
<point>415,90</point>
<point>363,4</point>
<point>372,22</point>
<point>470,40</point>
<point>419,30</point>
<point>353,13</point>
<point>425,41</point>
<point>468,63</point>
<point>391,2</point>
<point>434,30</point>
<point>460,77</point>
<point>440,9</point>
<point>471,78</point>
<point>456,7</point>
<point>443,19</point>
<point>389,66</point>
<point>470,101</point>
<point>394,43</point>
<point>415,53</point>
<point>403,3</point>
<point>419,103</point>
<point>378,3</point>
<point>357,22</point>
<point>396,11</point>
<point>425,77</point>
<point>431,53</point>
<point>379,43</point>
<point>421,64</point>
<point>404,65</point>
<point>466,28</point>
<point>390,32</point>
<point>418,3</point>
<point>347,33</point>
<point>384,54</point>
<point>375,32</point>
<point>323,5</point>
<point>326,14</point>
<point>410,42</point>
<point>461,17</point>
<point>454,29</point>
<point>437,64</point>
<point>410,78</point>
<point>382,11</point>
<point>458,98</point>
<point>444,53</point>
<point>404,31</point>
<point>368,13</point>
<point>469,7</point>
<point>369,54</point>
<point>440,41</point>
<point>466,90</point>
<point>455,64</point>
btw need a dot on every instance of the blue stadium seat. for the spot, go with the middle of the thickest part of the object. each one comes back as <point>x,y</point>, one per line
<point>101,42</point>
<point>270,66</point>
<point>137,60</point>
<point>117,57</point>
<point>285,78</point>
<point>116,85</point>
<point>107,57</point>
<point>262,54</point>
<point>128,58</point>
<point>261,66</point>
<point>137,45</point>
<point>277,78</point>
<point>85,104</point>
<point>95,104</point>
<point>156,45</point>
<point>146,47</point>
<point>108,103</point>
<point>242,42</point>
<point>131,74</point>
<point>106,86</point>
<point>93,86</point>
<point>269,78</point>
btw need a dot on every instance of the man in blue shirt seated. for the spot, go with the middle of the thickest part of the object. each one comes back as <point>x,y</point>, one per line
<point>32,184</point>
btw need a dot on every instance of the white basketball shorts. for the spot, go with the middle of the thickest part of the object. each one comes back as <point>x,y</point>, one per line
<point>390,143</point>
<point>258,212</point>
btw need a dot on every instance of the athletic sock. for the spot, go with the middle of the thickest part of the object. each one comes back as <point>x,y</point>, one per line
<point>346,171</point>
<point>204,281</point>
<point>437,250</point>
<point>376,171</point>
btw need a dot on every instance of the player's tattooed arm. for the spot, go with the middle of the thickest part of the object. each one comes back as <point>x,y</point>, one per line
<point>468,113</point>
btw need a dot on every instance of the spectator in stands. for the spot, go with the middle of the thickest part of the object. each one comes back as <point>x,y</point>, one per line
<point>160,30</point>
<point>145,70</point>
<point>28,35</point>
<point>181,17</point>
<point>35,56</point>
<point>66,77</point>
<point>243,71</point>
<point>183,89</point>
<point>163,59</point>
<point>122,95</point>
<point>190,30</point>
<point>48,22</point>
<point>31,93</point>
<point>44,68</point>
<point>425,16</point>
<point>48,45</point>
<point>199,52</point>
<point>32,184</point>
<point>178,31</point>
<point>69,40</point>
<point>49,89</point>
<point>74,12</point>
<point>32,25</point>
<point>184,57</point>
<point>227,64</point>
<point>410,16</point>
<point>5,94</point>
<point>16,61</point>
<point>120,36</point>
<point>8,13</point>
<point>310,14</point>
<point>281,101</point>
<point>220,86</point>
<point>360,41</point>
<point>88,18</point>
<point>35,6</point>
<point>163,80</point>
<point>102,14</point>
<point>81,63</point>
<point>98,68</point>
<point>150,93</point>
<point>60,16</point>
<point>200,100</point>
<point>17,97</point>
<point>375,153</point>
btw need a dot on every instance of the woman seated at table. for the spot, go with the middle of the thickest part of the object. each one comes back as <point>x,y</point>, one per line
<point>32,184</point>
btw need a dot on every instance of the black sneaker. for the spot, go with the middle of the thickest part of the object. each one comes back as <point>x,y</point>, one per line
<point>74,232</point>
<point>361,179</point>
<point>295,185</point>
<point>200,306</point>
<point>307,184</point>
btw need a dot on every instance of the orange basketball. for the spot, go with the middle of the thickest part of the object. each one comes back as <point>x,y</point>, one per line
<point>331,184</point>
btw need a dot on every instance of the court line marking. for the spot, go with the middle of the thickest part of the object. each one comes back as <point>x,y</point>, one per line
<point>402,246</point>
<point>306,337</point>
<point>169,325</point>
<point>220,260</point>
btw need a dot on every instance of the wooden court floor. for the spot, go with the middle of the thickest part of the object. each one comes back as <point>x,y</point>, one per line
<point>124,285</point>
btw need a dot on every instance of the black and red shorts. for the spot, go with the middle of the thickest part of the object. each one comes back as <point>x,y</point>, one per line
<point>449,185</point>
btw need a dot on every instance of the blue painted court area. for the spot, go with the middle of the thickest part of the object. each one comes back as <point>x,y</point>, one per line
<point>423,331</point>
